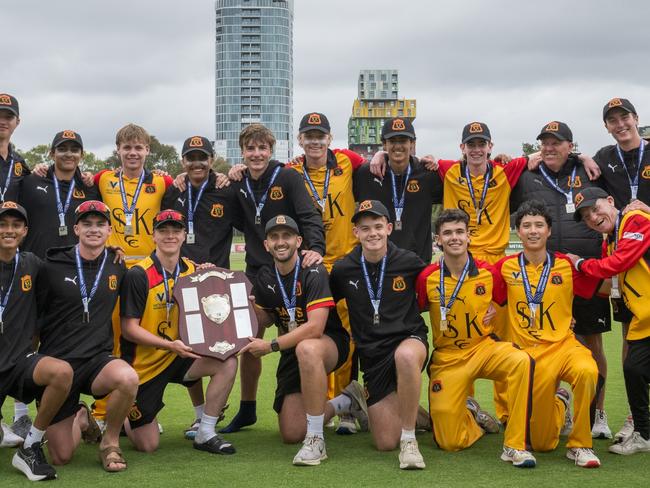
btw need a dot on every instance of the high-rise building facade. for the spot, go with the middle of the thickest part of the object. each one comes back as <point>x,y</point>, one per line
<point>378,100</point>
<point>254,72</point>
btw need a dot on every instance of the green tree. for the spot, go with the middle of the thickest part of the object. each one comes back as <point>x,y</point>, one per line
<point>529,148</point>
<point>37,155</point>
<point>91,163</point>
<point>220,165</point>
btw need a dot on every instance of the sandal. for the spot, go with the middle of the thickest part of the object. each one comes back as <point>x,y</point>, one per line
<point>107,461</point>
<point>92,434</point>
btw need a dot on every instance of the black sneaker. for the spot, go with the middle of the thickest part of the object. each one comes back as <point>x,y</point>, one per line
<point>32,462</point>
<point>215,445</point>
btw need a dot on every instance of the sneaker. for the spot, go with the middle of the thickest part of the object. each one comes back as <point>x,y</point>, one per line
<point>409,455</point>
<point>565,397</point>
<point>359,408</point>
<point>312,451</point>
<point>519,459</point>
<point>190,432</point>
<point>583,457</point>
<point>21,426</point>
<point>215,445</point>
<point>347,425</point>
<point>631,445</point>
<point>160,428</point>
<point>626,431</point>
<point>8,438</point>
<point>31,461</point>
<point>486,421</point>
<point>601,430</point>
<point>101,423</point>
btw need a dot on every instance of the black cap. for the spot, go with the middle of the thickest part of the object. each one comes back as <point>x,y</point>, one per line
<point>587,198</point>
<point>15,209</point>
<point>281,221</point>
<point>559,130</point>
<point>372,207</point>
<point>476,130</point>
<point>168,216</point>
<point>314,121</point>
<point>9,102</point>
<point>622,103</point>
<point>65,136</point>
<point>197,143</point>
<point>397,127</point>
<point>92,207</point>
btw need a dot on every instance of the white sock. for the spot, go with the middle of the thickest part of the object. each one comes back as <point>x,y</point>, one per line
<point>341,404</point>
<point>34,435</point>
<point>408,435</point>
<point>20,410</point>
<point>315,425</point>
<point>198,411</point>
<point>206,429</point>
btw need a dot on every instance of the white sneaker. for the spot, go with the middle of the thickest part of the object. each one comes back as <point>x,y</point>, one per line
<point>312,451</point>
<point>583,457</point>
<point>565,397</point>
<point>9,439</point>
<point>486,421</point>
<point>347,425</point>
<point>409,455</point>
<point>601,430</point>
<point>519,459</point>
<point>626,431</point>
<point>631,445</point>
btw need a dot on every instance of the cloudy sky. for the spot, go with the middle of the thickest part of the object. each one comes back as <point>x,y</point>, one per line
<point>93,66</point>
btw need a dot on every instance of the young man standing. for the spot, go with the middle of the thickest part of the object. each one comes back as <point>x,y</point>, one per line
<point>377,280</point>
<point>12,165</point>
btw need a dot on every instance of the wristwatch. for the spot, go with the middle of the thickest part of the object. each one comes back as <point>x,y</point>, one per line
<point>579,263</point>
<point>275,347</point>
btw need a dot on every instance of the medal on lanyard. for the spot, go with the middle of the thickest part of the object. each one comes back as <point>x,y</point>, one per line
<point>615,291</point>
<point>128,211</point>
<point>398,205</point>
<point>534,300</point>
<point>634,183</point>
<point>570,206</point>
<point>322,202</point>
<point>480,206</point>
<point>5,298</point>
<point>445,307</point>
<point>3,192</point>
<point>85,297</point>
<point>260,206</point>
<point>62,209</point>
<point>290,303</point>
<point>191,209</point>
<point>375,297</point>
<point>169,299</point>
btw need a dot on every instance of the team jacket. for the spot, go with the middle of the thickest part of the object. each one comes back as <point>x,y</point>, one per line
<point>615,179</point>
<point>19,172</point>
<point>339,207</point>
<point>398,310</point>
<point>37,196</point>
<point>19,317</point>
<point>492,235</point>
<point>567,235</point>
<point>423,189</point>
<point>63,333</point>
<point>631,262</point>
<point>287,196</point>
<point>213,221</point>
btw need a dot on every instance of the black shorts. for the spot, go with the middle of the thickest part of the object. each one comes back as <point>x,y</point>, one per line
<point>149,400</point>
<point>622,314</point>
<point>288,372</point>
<point>592,316</point>
<point>380,374</point>
<point>18,382</point>
<point>85,371</point>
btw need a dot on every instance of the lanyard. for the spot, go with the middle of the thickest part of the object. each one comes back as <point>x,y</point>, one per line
<point>191,209</point>
<point>534,300</point>
<point>399,204</point>
<point>128,211</point>
<point>5,297</point>
<point>3,192</point>
<point>615,291</point>
<point>375,297</point>
<point>486,183</point>
<point>260,206</point>
<point>290,304</point>
<point>446,307</point>
<point>634,183</point>
<point>62,209</point>
<point>169,300</point>
<point>570,206</point>
<point>321,201</point>
<point>85,297</point>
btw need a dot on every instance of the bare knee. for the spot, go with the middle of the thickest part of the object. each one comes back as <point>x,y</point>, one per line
<point>408,357</point>
<point>60,455</point>
<point>60,375</point>
<point>292,436</point>
<point>308,352</point>
<point>128,381</point>
<point>146,445</point>
<point>386,443</point>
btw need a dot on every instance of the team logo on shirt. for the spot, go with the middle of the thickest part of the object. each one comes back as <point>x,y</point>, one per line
<point>413,186</point>
<point>276,193</point>
<point>18,168</point>
<point>298,288</point>
<point>338,171</point>
<point>217,210</point>
<point>135,413</point>
<point>556,279</point>
<point>398,124</point>
<point>436,386</point>
<point>552,127</point>
<point>26,282</point>
<point>492,183</point>
<point>576,183</point>
<point>399,284</point>
<point>646,173</point>
<point>479,289</point>
<point>112,282</point>
<point>78,194</point>
<point>614,102</point>
<point>150,188</point>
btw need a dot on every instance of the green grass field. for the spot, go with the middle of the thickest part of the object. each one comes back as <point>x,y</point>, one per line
<point>263,460</point>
